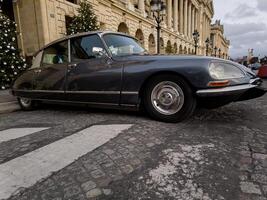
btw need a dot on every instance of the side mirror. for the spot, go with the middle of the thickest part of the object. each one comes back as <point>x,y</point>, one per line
<point>98,52</point>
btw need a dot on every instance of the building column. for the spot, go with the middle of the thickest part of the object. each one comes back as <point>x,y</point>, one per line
<point>193,18</point>
<point>207,31</point>
<point>201,25</point>
<point>44,35</point>
<point>185,16</point>
<point>189,19</point>
<point>169,13</point>
<point>181,11</point>
<point>209,23</point>
<point>197,20</point>
<point>141,6</point>
<point>175,15</point>
<point>18,28</point>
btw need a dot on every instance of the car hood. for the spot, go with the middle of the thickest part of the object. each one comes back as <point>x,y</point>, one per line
<point>246,69</point>
<point>186,60</point>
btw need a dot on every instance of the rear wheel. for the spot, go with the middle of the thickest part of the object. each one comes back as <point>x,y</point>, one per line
<point>169,98</point>
<point>26,103</point>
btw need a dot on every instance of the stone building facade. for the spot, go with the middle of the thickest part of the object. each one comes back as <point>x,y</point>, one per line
<point>42,21</point>
<point>219,44</point>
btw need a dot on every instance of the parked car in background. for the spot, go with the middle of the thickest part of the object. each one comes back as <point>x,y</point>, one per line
<point>255,67</point>
<point>108,69</point>
<point>262,73</point>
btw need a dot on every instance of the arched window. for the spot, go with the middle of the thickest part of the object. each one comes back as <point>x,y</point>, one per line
<point>123,28</point>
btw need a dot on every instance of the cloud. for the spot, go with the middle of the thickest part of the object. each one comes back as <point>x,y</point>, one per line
<point>237,29</point>
<point>262,5</point>
<point>245,25</point>
<point>249,39</point>
<point>241,43</point>
<point>242,11</point>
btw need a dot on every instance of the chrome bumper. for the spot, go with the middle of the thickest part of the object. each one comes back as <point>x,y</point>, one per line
<point>230,90</point>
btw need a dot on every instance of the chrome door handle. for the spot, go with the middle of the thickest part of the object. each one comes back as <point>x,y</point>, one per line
<point>71,66</point>
<point>37,71</point>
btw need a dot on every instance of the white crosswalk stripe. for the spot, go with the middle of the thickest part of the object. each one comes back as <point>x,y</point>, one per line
<point>25,171</point>
<point>14,133</point>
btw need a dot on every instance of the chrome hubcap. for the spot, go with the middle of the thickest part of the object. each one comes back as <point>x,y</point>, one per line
<point>167,98</point>
<point>25,102</point>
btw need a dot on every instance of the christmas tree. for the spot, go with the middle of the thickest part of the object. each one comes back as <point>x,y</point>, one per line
<point>11,63</point>
<point>86,20</point>
<point>169,49</point>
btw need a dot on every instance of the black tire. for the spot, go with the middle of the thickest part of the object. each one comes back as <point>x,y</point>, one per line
<point>31,105</point>
<point>188,106</point>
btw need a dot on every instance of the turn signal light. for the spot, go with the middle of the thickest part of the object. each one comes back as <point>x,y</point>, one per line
<point>218,83</point>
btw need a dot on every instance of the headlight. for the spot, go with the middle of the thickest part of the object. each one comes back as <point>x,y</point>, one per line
<point>225,71</point>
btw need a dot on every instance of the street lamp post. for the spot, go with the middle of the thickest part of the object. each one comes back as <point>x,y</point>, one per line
<point>196,39</point>
<point>207,46</point>
<point>220,53</point>
<point>158,8</point>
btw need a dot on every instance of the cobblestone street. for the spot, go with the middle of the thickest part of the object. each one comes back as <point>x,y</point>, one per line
<point>217,154</point>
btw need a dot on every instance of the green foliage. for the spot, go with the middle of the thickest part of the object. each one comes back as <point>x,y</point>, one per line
<point>85,21</point>
<point>169,49</point>
<point>11,63</point>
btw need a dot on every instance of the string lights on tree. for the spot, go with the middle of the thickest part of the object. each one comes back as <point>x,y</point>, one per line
<point>11,62</point>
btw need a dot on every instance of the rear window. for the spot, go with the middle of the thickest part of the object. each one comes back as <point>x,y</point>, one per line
<point>37,60</point>
<point>56,54</point>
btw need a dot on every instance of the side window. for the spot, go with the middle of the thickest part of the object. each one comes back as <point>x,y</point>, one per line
<point>37,60</point>
<point>56,54</point>
<point>87,47</point>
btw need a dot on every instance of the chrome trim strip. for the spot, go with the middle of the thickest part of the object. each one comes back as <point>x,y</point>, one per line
<point>41,91</point>
<point>225,90</point>
<point>129,105</point>
<point>78,102</point>
<point>129,92</point>
<point>81,92</point>
<point>92,92</point>
<point>251,81</point>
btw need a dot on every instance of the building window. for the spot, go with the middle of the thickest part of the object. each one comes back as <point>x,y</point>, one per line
<point>7,8</point>
<point>68,21</point>
<point>102,26</point>
<point>73,1</point>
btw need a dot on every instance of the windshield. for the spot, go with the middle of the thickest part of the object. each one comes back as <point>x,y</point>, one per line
<point>120,45</point>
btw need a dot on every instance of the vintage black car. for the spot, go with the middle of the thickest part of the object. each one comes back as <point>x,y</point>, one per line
<point>108,69</point>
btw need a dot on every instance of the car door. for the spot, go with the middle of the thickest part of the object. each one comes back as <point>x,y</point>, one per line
<point>49,81</point>
<point>23,86</point>
<point>92,76</point>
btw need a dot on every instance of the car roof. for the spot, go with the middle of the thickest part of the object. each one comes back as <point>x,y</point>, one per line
<point>119,33</point>
<point>80,35</point>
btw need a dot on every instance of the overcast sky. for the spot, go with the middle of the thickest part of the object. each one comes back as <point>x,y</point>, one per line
<point>245,24</point>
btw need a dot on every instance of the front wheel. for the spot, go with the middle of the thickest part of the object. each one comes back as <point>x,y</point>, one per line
<point>26,103</point>
<point>169,98</point>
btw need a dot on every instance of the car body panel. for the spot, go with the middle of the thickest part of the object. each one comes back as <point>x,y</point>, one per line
<point>119,80</point>
<point>24,83</point>
<point>263,71</point>
<point>49,82</point>
<point>95,80</point>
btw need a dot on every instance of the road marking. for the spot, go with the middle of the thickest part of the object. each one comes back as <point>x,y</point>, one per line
<point>25,171</point>
<point>14,133</point>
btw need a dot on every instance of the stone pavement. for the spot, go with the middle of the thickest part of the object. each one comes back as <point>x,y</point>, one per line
<point>8,103</point>
<point>217,154</point>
